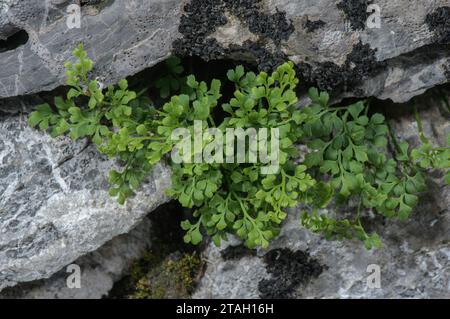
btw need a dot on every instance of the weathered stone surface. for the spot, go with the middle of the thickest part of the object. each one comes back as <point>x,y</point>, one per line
<point>54,206</point>
<point>54,203</point>
<point>99,269</point>
<point>330,41</point>
<point>414,261</point>
<point>123,37</point>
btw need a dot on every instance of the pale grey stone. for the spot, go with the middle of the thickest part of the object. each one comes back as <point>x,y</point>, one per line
<point>123,37</point>
<point>99,270</point>
<point>54,206</point>
<point>54,201</point>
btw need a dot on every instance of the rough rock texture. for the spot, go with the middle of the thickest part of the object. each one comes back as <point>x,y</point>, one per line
<point>54,207</point>
<point>99,269</point>
<point>54,203</point>
<point>330,40</point>
<point>414,263</point>
<point>122,36</point>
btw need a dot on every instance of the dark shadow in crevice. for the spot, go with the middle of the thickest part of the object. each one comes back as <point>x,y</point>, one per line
<point>168,248</point>
<point>14,41</point>
<point>201,69</point>
<point>433,96</point>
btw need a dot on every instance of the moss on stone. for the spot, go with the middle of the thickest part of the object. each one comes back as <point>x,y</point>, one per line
<point>173,277</point>
<point>169,269</point>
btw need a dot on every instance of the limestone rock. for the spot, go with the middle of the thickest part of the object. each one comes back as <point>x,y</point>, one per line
<point>54,205</point>
<point>54,201</point>
<point>99,270</point>
<point>123,37</point>
<point>388,49</point>
<point>414,261</point>
<point>339,46</point>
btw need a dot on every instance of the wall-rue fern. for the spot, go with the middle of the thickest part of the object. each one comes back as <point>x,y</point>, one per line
<point>348,159</point>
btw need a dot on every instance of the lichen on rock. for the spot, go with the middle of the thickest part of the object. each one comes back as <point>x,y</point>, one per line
<point>414,260</point>
<point>289,269</point>
<point>356,12</point>
<point>202,19</point>
<point>439,22</point>
<point>328,76</point>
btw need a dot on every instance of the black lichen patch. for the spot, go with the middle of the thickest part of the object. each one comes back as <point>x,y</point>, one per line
<point>288,269</point>
<point>270,26</point>
<point>328,76</point>
<point>356,12</point>
<point>439,22</point>
<point>237,252</point>
<point>203,17</point>
<point>361,61</point>
<point>312,26</point>
<point>266,60</point>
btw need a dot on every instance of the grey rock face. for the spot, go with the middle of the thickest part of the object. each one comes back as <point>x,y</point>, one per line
<point>336,44</point>
<point>123,37</point>
<point>54,206</point>
<point>54,203</point>
<point>99,269</point>
<point>414,262</point>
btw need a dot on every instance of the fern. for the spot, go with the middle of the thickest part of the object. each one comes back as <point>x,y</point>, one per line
<point>347,161</point>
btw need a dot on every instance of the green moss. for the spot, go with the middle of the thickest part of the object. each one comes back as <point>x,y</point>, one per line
<point>173,277</point>
<point>169,269</point>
